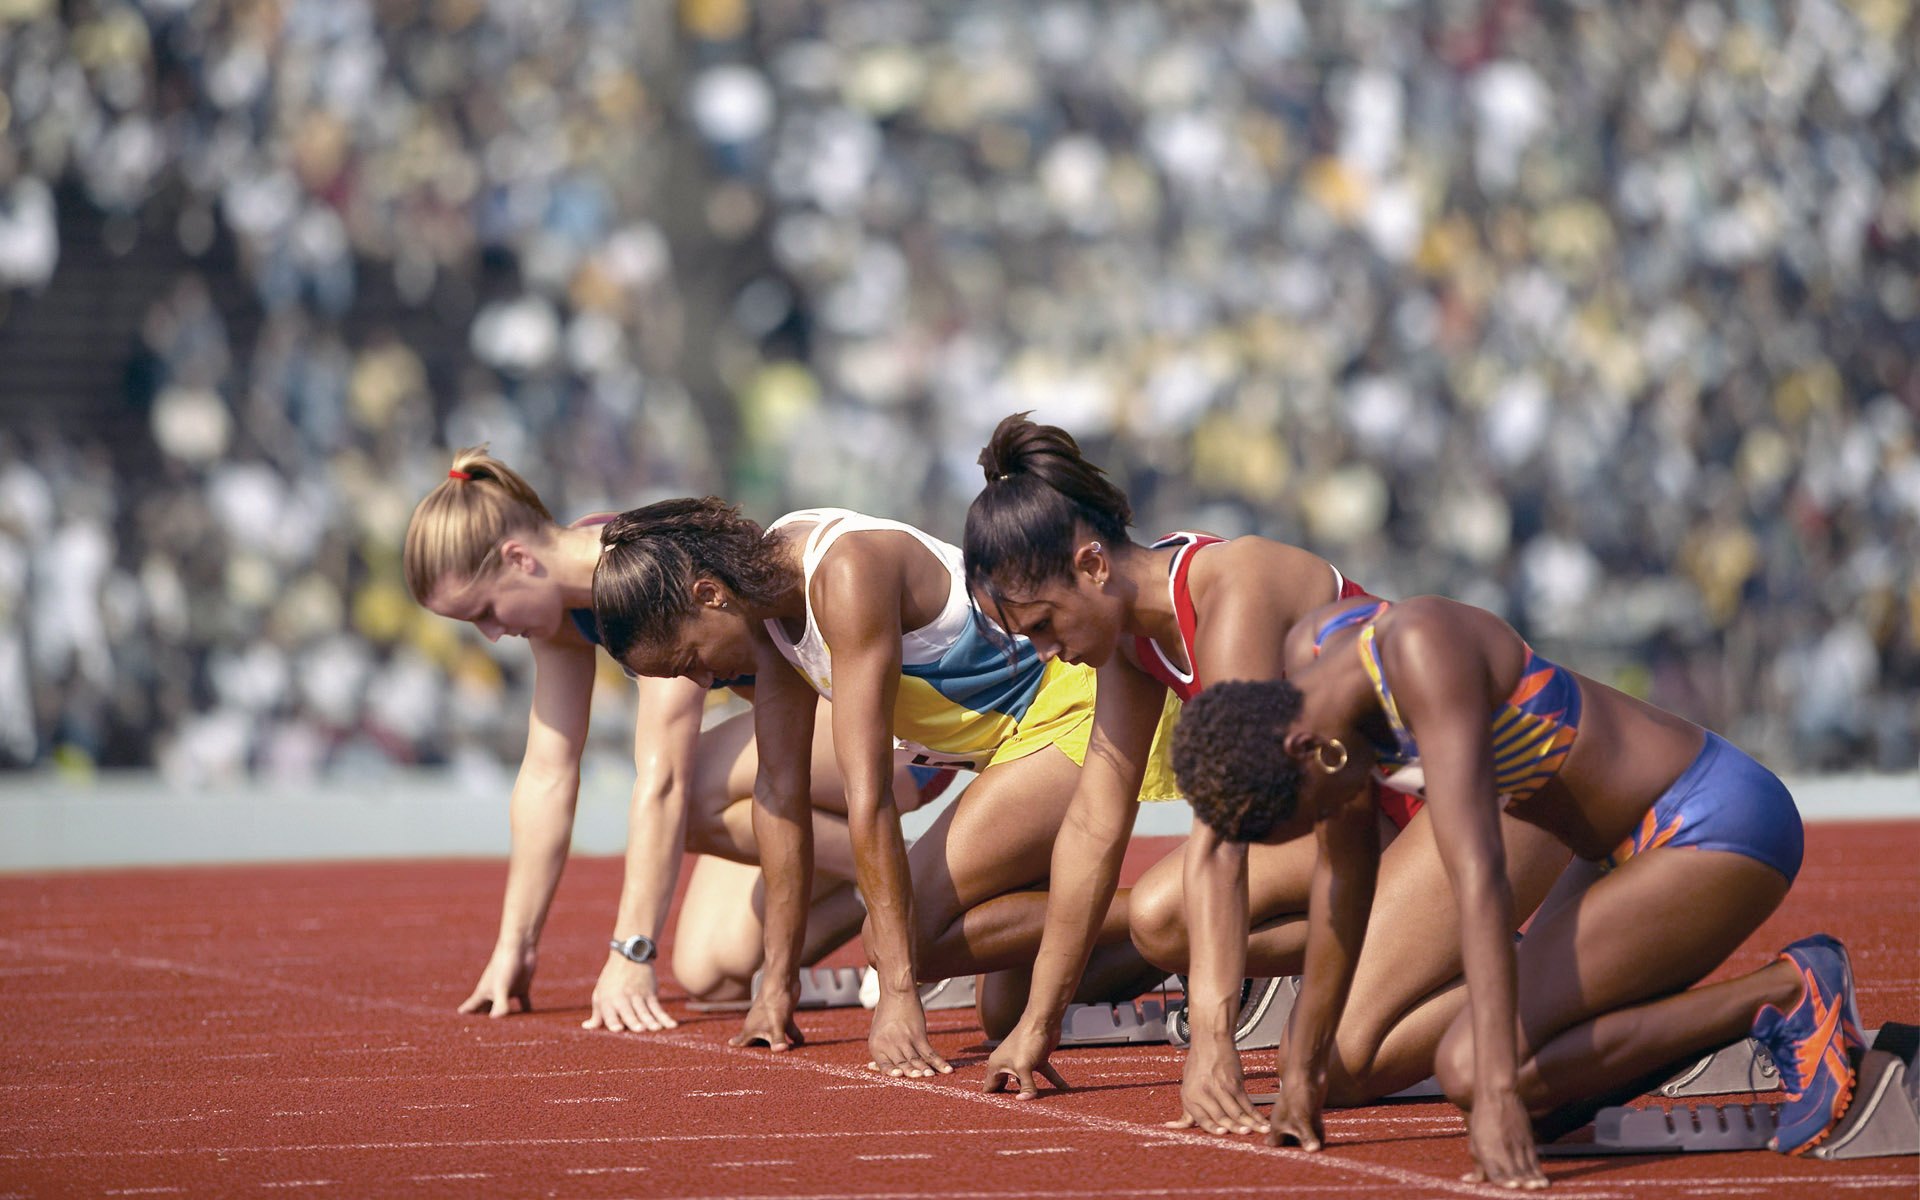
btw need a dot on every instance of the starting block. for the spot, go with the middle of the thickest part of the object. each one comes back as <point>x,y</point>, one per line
<point>1741,1067</point>
<point>1882,1120</point>
<point>1262,1019</point>
<point>1130,1023</point>
<point>1707,1128</point>
<point>957,992</point>
<point>824,987</point>
<point>942,994</point>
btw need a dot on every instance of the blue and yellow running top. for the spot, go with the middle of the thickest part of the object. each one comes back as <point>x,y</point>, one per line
<point>1533,731</point>
<point>970,695</point>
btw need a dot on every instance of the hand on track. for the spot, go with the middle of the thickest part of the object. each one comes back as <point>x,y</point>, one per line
<point>1501,1136</point>
<point>627,997</point>
<point>508,977</point>
<point>769,1023</point>
<point>1213,1092</point>
<point>1018,1059</point>
<point>898,1040</point>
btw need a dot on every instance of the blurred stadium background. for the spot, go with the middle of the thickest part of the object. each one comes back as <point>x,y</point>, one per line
<point>1603,315</point>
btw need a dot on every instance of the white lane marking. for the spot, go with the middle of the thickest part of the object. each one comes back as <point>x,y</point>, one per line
<point>758,1162</point>
<point>425,1107</point>
<point>605,1170</point>
<point>235,1057</point>
<point>588,1100</point>
<point>740,1092</point>
<point>918,1133</point>
<point>146,1191</point>
<point>890,1157</point>
<point>1039,1150</point>
<point>53,970</point>
<point>453,1175</point>
<point>298,1183</point>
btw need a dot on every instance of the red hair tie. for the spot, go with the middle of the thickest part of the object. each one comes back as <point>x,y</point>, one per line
<point>456,473</point>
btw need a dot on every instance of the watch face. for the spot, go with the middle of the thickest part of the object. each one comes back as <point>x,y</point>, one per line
<point>639,948</point>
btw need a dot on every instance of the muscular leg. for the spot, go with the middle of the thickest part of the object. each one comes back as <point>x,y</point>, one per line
<point>718,943</point>
<point>720,806</point>
<point>1404,991</point>
<point>977,870</point>
<point>1603,969</point>
<point>1277,880</point>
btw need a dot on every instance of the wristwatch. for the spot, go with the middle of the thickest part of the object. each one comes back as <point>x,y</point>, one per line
<point>638,948</point>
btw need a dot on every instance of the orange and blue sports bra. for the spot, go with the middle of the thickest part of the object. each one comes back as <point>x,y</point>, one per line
<point>1533,730</point>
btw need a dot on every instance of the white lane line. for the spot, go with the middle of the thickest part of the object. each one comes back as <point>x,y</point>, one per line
<point>890,1157</point>
<point>758,1162</point>
<point>918,1133</point>
<point>299,1183</point>
<point>233,1057</point>
<point>426,1107</point>
<point>146,1191</point>
<point>54,970</point>
<point>436,1077</point>
<point>588,1100</point>
<point>740,1092</point>
<point>605,1170</point>
<point>453,1175</point>
<point>1038,1150</point>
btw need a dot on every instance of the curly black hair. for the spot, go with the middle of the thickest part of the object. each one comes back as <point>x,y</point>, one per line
<point>1231,760</point>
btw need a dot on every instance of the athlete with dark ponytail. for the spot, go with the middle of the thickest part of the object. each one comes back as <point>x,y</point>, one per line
<point>1049,556</point>
<point>876,616</point>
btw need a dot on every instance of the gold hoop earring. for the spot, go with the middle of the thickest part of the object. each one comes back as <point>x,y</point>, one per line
<point>1320,756</point>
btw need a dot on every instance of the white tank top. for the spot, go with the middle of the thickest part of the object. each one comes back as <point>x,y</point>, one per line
<point>922,646</point>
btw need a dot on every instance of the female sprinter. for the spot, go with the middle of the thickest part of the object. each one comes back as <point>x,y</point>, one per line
<point>1684,845</point>
<point>875,615</point>
<point>1048,549</point>
<point>482,548</point>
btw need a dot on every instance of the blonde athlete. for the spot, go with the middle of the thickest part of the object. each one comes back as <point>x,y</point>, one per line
<point>482,548</point>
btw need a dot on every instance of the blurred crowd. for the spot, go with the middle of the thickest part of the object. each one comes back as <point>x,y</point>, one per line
<point>1603,316</point>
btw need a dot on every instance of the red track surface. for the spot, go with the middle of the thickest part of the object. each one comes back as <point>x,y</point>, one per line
<point>290,1030</point>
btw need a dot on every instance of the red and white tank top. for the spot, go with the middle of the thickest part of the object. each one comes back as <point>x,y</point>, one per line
<point>1154,660</point>
<point>1186,684</point>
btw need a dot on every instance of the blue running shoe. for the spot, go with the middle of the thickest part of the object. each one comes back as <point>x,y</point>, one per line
<point>1816,1044</point>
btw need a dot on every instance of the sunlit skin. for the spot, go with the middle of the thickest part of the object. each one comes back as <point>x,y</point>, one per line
<point>687,786</point>
<point>975,896</point>
<point>1598,994</point>
<point>540,575</point>
<point>1110,595</point>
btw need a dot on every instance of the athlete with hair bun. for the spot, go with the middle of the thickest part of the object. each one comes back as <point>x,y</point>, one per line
<point>1048,552</point>
<point>876,615</point>
<point>1683,846</point>
<point>482,548</point>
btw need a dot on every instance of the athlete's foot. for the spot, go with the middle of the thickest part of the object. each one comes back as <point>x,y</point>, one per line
<point>1815,1042</point>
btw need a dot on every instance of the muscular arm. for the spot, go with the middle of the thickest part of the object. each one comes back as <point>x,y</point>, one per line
<point>665,740</point>
<point>1085,867</point>
<point>861,591</point>
<point>1445,693</point>
<point>783,712</point>
<point>540,815</point>
<point>1341,894</point>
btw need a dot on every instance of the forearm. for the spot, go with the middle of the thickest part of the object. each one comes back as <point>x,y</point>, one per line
<point>541,820</point>
<point>1214,880</point>
<point>1342,892</point>
<point>1486,908</point>
<point>880,862</point>
<point>656,836</point>
<point>784,829</point>
<point>1085,872</point>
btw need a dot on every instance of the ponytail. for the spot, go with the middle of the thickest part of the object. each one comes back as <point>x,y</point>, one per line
<point>456,530</point>
<point>651,557</point>
<point>1022,528</point>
